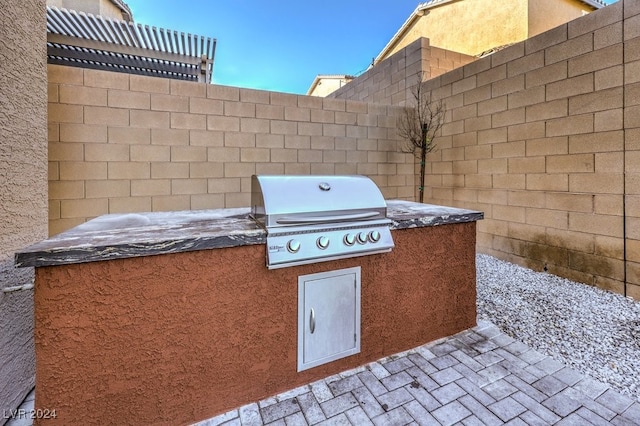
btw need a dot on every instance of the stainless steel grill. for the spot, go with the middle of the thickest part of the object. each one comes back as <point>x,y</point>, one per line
<point>312,219</point>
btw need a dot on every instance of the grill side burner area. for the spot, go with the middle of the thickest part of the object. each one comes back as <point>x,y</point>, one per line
<point>312,219</point>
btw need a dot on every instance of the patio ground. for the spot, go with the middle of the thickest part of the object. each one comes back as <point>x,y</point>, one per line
<point>480,376</point>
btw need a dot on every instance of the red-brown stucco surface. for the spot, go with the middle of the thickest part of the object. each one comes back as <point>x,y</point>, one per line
<point>173,339</point>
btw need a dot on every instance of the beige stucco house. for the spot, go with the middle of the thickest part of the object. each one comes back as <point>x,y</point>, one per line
<point>472,27</point>
<point>114,9</point>
<point>324,84</point>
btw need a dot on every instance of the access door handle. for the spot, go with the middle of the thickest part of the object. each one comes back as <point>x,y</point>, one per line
<point>312,321</point>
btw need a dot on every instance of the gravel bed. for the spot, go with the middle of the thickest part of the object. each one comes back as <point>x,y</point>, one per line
<point>594,331</point>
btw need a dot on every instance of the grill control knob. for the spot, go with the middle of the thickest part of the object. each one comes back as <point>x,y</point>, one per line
<point>349,239</point>
<point>362,237</point>
<point>374,236</point>
<point>293,246</point>
<point>322,242</point>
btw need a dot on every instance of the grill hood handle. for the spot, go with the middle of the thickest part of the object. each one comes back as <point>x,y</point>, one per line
<point>293,220</point>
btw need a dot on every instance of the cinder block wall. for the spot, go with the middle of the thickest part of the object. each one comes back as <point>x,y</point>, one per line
<point>389,82</point>
<point>631,120</point>
<point>23,187</point>
<point>539,137</point>
<point>126,143</point>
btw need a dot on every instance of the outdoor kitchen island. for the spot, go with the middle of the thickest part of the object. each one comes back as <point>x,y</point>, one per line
<point>173,317</point>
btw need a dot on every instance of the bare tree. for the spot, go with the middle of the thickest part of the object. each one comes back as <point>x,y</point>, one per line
<point>419,124</point>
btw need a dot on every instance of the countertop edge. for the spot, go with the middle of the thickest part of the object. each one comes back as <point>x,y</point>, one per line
<point>57,251</point>
<point>437,220</point>
<point>97,253</point>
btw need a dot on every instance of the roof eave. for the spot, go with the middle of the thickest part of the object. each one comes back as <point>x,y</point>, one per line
<point>126,11</point>
<point>325,76</point>
<point>433,3</point>
<point>418,12</point>
<point>313,85</point>
<point>594,3</point>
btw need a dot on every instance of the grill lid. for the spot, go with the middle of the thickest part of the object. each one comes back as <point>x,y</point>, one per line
<point>319,218</point>
<point>298,200</point>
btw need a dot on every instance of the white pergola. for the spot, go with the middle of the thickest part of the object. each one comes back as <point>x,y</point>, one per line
<point>88,41</point>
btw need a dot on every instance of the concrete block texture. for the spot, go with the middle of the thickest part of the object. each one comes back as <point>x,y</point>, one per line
<point>608,36</point>
<point>592,22</point>
<point>182,146</point>
<point>387,82</point>
<point>108,80</point>
<point>597,60</point>
<point>569,49</point>
<point>563,117</point>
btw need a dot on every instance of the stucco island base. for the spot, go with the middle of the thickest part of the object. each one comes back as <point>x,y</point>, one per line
<point>176,338</point>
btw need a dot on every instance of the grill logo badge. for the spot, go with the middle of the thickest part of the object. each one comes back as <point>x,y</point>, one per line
<point>324,186</point>
<point>276,248</point>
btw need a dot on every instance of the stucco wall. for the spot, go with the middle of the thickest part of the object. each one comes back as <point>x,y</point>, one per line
<point>540,136</point>
<point>484,24</point>
<point>492,23</point>
<point>328,84</point>
<point>23,189</point>
<point>123,143</point>
<point>104,8</point>
<point>172,339</point>
<point>547,14</point>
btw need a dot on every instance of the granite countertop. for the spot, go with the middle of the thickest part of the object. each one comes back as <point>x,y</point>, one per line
<point>117,236</point>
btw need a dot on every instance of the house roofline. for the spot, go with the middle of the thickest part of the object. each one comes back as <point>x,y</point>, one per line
<point>418,12</point>
<point>423,7</point>
<point>596,4</point>
<point>318,77</point>
<point>126,11</point>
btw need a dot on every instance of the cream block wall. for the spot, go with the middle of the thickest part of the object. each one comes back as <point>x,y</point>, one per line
<point>539,137</point>
<point>631,120</point>
<point>123,143</point>
<point>389,82</point>
<point>546,14</point>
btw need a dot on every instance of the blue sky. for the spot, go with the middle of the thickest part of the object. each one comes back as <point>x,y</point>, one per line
<point>282,45</point>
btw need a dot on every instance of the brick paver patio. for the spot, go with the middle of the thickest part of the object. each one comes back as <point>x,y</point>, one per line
<point>478,377</point>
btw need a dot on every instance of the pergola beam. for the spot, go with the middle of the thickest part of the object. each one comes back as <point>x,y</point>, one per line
<point>103,43</point>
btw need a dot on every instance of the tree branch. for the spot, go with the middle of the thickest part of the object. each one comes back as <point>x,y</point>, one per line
<point>419,124</point>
